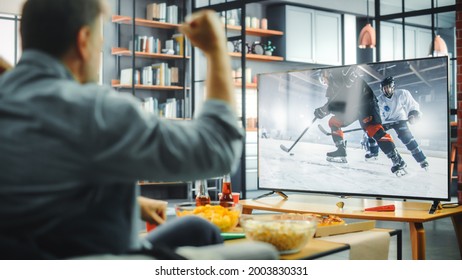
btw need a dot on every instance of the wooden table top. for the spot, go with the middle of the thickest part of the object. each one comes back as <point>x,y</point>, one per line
<point>405,211</point>
<point>315,248</point>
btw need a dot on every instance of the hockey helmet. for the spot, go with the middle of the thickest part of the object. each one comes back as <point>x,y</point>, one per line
<point>388,86</point>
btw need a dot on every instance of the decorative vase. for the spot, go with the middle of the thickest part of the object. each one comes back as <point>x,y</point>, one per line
<point>268,53</point>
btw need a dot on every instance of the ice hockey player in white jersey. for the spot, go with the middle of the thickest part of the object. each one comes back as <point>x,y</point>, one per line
<point>398,108</point>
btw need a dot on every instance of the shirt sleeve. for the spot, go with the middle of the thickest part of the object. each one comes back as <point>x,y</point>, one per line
<point>409,102</point>
<point>131,144</point>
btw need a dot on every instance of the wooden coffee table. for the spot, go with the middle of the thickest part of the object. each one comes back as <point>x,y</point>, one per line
<point>414,213</point>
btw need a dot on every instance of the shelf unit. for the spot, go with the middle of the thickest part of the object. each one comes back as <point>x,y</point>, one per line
<point>235,33</point>
<point>255,31</point>
<point>162,32</point>
<point>138,59</point>
<point>258,57</point>
<point>143,22</point>
<point>127,52</point>
<point>117,84</point>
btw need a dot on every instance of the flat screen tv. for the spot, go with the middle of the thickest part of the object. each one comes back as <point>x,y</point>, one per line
<point>298,111</point>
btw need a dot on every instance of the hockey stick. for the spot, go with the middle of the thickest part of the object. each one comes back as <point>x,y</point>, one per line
<point>285,149</point>
<point>323,130</point>
<point>386,126</point>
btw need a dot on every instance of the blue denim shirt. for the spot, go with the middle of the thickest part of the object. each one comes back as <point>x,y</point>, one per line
<point>70,155</point>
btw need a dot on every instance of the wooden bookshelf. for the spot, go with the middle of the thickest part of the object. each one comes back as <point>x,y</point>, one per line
<point>116,84</point>
<point>127,52</point>
<point>256,31</point>
<point>143,22</point>
<point>257,57</point>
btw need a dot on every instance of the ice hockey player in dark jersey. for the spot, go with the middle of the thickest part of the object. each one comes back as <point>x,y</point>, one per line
<point>398,107</point>
<point>349,98</point>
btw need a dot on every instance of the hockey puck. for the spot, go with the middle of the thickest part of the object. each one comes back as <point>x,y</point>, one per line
<point>291,154</point>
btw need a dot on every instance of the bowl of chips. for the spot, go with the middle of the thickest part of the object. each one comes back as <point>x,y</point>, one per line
<point>225,217</point>
<point>288,233</point>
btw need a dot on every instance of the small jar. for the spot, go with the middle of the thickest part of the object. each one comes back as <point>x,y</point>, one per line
<point>264,23</point>
<point>247,22</point>
<point>255,23</point>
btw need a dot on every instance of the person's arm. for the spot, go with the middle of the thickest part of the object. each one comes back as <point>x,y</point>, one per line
<point>152,210</point>
<point>128,143</point>
<point>411,107</point>
<point>205,31</point>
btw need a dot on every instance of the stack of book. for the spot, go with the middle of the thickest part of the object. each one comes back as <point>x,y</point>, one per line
<point>157,74</point>
<point>171,108</point>
<point>163,13</point>
<point>147,44</point>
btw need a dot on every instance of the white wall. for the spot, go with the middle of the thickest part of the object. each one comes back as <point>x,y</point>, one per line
<point>351,40</point>
<point>11,6</point>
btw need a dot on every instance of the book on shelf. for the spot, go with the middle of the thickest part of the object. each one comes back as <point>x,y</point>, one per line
<point>147,44</point>
<point>175,75</point>
<point>172,14</point>
<point>156,74</point>
<point>180,42</point>
<point>171,108</point>
<point>160,73</point>
<point>126,76</point>
<point>150,105</point>
<point>162,13</point>
<point>147,76</point>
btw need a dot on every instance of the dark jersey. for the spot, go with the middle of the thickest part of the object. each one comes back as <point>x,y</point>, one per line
<point>350,98</point>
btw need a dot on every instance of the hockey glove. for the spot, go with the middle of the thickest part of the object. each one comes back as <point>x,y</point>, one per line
<point>413,116</point>
<point>321,112</point>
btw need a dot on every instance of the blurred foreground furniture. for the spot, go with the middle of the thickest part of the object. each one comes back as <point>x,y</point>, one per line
<point>241,251</point>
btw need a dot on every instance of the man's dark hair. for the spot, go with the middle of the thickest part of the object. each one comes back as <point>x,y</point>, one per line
<point>52,26</point>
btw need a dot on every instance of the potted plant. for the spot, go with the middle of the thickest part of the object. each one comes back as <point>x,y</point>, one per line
<point>269,48</point>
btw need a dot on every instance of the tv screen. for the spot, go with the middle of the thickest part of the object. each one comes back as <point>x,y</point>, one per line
<point>376,130</point>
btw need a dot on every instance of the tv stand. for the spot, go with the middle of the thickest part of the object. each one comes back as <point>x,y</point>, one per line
<point>271,193</point>
<point>435,206</point>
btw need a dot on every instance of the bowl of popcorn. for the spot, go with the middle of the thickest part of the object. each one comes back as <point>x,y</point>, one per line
<point>225,217</point>
<point>288,233</point>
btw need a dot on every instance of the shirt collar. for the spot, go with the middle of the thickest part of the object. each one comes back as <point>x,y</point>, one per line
<point>45,61</point>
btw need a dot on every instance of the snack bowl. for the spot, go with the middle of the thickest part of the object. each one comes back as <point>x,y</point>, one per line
<point>226,218</point>
<point>288,233</point>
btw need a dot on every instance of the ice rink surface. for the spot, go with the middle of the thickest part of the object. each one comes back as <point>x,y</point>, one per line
<point>307,169</point>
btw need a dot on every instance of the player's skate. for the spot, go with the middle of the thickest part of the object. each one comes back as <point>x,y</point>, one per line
<point>424,164</point>
<point>370,156</point>
<point>372,148</point>
<point>399,166</point>
<point>339,155</point>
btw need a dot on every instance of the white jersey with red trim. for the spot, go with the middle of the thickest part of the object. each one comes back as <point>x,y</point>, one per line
<point>398,106</point>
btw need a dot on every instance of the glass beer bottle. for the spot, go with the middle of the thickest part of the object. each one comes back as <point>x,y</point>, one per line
<point>202,197</point>
<point>226,192</point>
